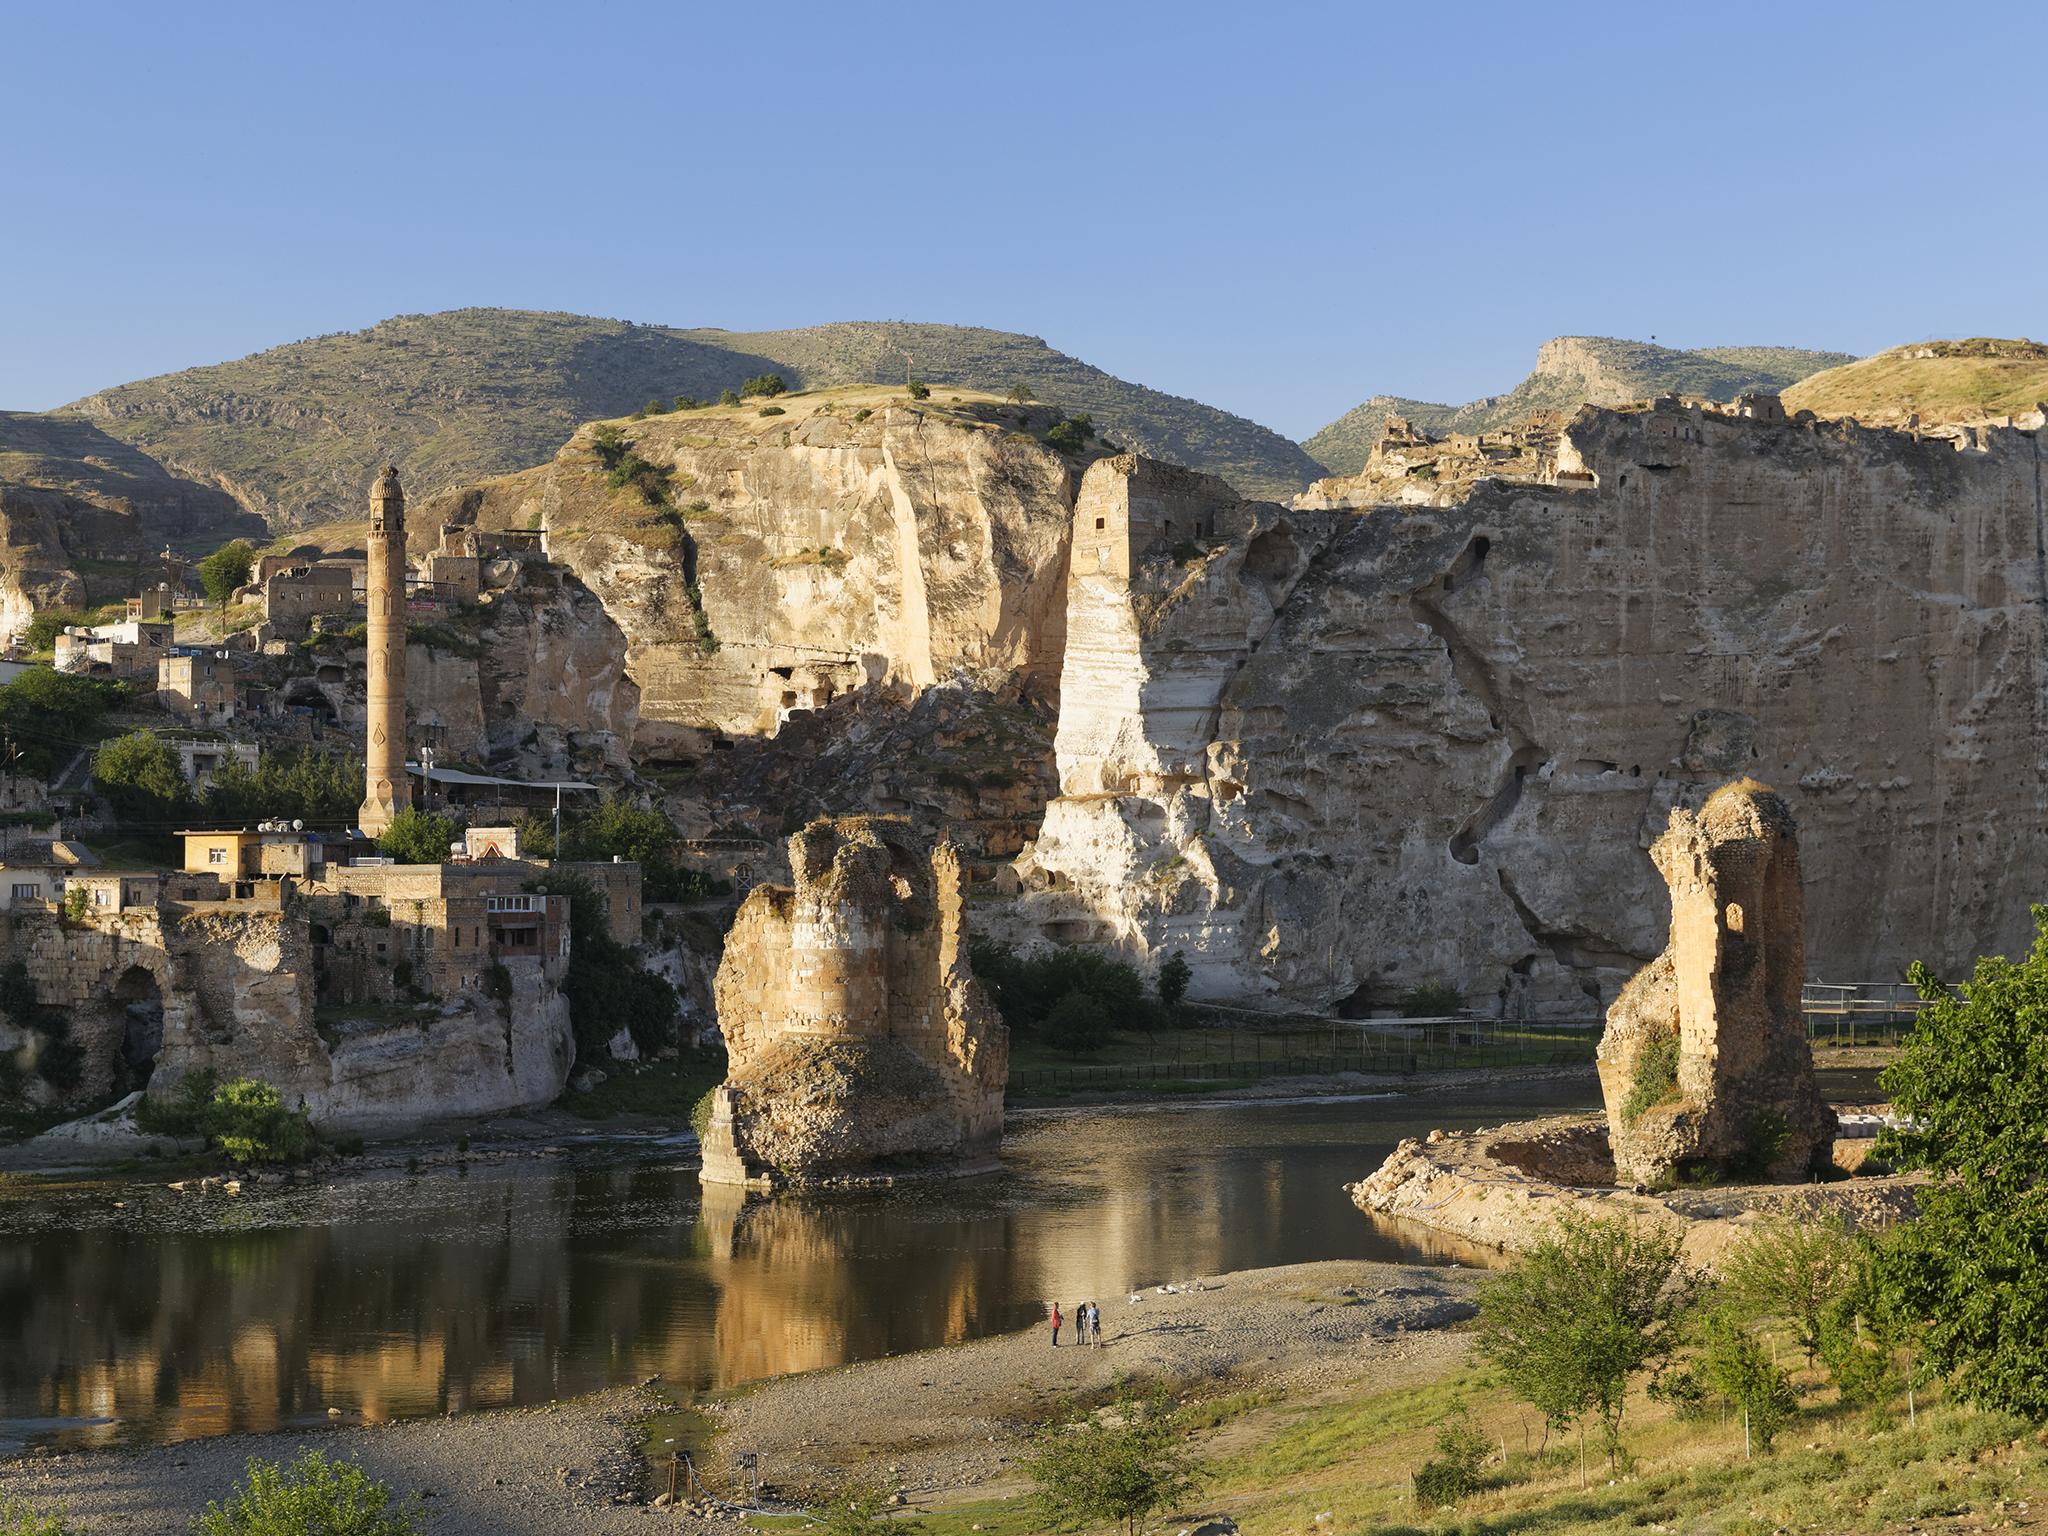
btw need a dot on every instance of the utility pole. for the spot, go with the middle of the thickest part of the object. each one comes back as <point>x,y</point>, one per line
<point>427,778</point>
<point>558,821</point>
<point>907,380</point>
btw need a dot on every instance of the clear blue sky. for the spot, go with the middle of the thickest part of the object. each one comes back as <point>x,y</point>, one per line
<point>1279,209</point>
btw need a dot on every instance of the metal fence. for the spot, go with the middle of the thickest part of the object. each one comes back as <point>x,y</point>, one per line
<point>1211,1055</point>
<point>1860,1012</point>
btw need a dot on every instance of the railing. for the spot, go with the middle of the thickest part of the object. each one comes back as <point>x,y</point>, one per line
<point>1860,1012</point>
<point>1383,1047</point>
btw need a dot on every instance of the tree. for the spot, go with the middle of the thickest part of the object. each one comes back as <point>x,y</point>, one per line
<point>1581,1313</point>
<point>1798,1270</point>
<point>1735,1365</point>
<point>1173,979</point>
<point>224,572</point>
<point>418,837</point>
<point>919,390</point>
<point>141,777</point>
<point>1123,1465</point>
<point>1021,393</point>
<point>312,1495</point>
<point>1066,436</point>
<point>1078,1023</point>
<point>49,716</point>
<point>1974,1265</point>
<point>299,785</point>
<point>608,990</point>
<point>46,626</point>
<point>763,386</point>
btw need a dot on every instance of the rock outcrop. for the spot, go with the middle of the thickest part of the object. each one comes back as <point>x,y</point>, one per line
<point>1705,1065</point>
<point>1330,754</point>
<point>859,1041</point>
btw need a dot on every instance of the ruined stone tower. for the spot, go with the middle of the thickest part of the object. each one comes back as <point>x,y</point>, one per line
<point>386,790</point>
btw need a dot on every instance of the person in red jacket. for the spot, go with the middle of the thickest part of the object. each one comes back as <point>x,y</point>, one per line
<point>1056,1320</point>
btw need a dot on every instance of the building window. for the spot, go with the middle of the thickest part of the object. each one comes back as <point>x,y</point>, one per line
<point>25,893</point>
<point>1098,525</point>
<point>216,855</point>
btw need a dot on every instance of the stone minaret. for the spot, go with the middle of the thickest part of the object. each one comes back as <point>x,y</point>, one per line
<point>386,789</point>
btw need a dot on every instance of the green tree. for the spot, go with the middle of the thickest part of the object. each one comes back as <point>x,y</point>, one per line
<point>1078,1023</point>
<point>46,626</point>
<point>607,988</point>
<point>728,397</point>
<point>1172,982</point>
<point>1798,1270</point>
<point>1735,1364</point>
<point>1574,1320</point>
<point>1123,1465</point>
<point>303,785</point>
<point>1972,1083</point>
<point>1453,1472</point>
<point>1021,393</point>
<point>1067,437</point>
<point>763,386</point>
<point>311,1497</point>
<point>247,1119</point>
<point>418,837</point>
<point>226,570</point>
<point>49,716</point>
<point>140,776</point>
<point>919,390</point>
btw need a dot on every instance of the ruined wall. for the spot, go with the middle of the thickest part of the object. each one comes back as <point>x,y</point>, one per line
<point>1442,737</point>
<point>857,1038</point>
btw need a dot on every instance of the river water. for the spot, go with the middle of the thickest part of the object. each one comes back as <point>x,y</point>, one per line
<point>129,1313</point>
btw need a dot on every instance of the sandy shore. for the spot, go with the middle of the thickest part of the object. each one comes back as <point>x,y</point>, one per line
<point>939,1425</point>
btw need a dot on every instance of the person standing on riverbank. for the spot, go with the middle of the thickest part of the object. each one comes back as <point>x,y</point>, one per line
<point>1095,1324</point>
<point>1055,1325</point>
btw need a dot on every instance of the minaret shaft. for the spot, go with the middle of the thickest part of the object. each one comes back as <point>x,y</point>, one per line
<point>386,790</point>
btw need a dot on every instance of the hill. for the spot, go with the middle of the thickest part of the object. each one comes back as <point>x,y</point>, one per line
<point>296,432</point>
<point>1938,381</point>
<point>1572,371</point>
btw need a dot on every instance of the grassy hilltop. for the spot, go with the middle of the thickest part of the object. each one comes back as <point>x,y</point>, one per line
<point>1939,381</point>
<point>1572,371</point>
<point>296,432</point>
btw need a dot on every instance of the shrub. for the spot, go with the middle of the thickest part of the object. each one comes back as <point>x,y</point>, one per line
<point>1078,1022</point>
<point>728,397</point>
<point>862,414</point>
<point>1431,1000</point>
<point>47,715</point>
<point>763,386</point>
<point>857,1510</point>
<point>141,778</point>
<point>1119,1467</point>
<point>608,990</point>
<point>1026,988</point>
<point>1451,1474</point>
<point>1739,1368</point>
<point>919,390</point>
<point>21,1519</point>
<point>1021,393</point>
<point>1796,1270</point>
<point>311,1497</point>
<point>1067,437</point>
<point>498,981</point>
<point>772,410</point>
<point>687,403</point>
<point>181,1112</point>
<point>248,1121</point>
<point>1655,1078</point>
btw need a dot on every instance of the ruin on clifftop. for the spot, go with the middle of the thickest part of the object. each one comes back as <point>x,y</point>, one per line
<point>1705,1066</point>
<point>859,1042</point>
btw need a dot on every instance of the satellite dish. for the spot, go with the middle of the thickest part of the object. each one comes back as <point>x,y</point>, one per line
<point>298,826</point>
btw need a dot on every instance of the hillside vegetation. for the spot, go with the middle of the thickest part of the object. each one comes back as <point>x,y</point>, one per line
<point>1939,381</point>
<point>297,432</point>
<point>1572,371</point>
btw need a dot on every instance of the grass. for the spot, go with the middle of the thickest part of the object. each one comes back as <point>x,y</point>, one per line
<point>1883,390</point>
<point>662,1090</point>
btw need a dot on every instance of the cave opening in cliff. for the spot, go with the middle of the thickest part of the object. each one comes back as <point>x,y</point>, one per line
<point>142,1033</point>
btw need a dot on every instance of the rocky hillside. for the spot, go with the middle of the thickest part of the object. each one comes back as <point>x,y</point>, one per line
<point>1572,371</point>
<point>1938,381</point>
<point>83,516</point>
<point>295,433</point>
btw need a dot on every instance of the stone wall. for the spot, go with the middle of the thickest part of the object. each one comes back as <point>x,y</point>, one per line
<point>858,1039</point>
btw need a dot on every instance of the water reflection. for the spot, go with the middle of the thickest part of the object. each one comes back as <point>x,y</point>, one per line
<point>530,1281</point>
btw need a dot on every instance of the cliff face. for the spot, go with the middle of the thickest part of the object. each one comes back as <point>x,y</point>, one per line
<point>851,540</point>
<point>1362,750</point>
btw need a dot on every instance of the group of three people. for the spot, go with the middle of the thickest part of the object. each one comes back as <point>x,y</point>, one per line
<point>1087,1324</point>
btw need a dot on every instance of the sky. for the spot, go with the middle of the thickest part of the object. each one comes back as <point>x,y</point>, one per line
<point>1278,209</point>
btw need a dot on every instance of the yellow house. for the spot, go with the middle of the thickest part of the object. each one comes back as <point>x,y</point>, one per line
<point>271,850</point>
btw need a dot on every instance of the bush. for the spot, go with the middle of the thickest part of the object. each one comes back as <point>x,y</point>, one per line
<point>1451,1474</point>
<point>1739,1368</point>
<point>1078,1022</point>
<point>1431,1000</point>
<point>1021,393</point>
<point>20,1519</point>
<point>771,410</point>
<point>248,1121</point>
<point>419,837</point>
<point>607,988</point>
<point>1172,982</point>
<point>919,390</point>
<point>47,715</point>
<point>1066,437</point>
<point>857,1510</point>
<point>1655,1078</point>
<point>728,397</point>
<point>141,777</point>
<point>311,1497</point>
<point>297,784</point>
<point>1119,1467</point>
<point>763,386</point>
<point>1026,988</point>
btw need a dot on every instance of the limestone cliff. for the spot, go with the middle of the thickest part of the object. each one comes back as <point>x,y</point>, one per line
<point>1331,754</point>
<point>851,539</point>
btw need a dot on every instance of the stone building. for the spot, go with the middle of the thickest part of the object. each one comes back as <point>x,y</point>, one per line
<point>297,597</point>
<point>199,687</point>
<point>129,649</point>
<point>1705,1063</point>
<point>859,1041</point>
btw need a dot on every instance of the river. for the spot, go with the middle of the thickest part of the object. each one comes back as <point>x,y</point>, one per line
<point>129,1313</point>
